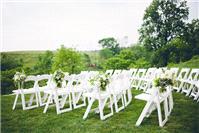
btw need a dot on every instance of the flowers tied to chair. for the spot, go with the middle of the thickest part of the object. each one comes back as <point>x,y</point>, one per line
<point>19,79</point>
<point>102,80</point>
<point>58,77</point>
<point>163,80</point>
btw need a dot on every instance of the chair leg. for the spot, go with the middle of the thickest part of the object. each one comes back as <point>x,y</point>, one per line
<point>88,108</point>
<point>23,101</point>
<point>40,99</point>
<point>57,104</point>
<point>101,106</point>
<point>48,102</point>
<point>144,112</point>
<point>15,102</point>
<point>77,98</point>
<point>31,100</point>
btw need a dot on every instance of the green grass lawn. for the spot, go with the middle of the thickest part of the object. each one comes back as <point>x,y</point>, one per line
<point>184,119</point>
<point>192,63</point>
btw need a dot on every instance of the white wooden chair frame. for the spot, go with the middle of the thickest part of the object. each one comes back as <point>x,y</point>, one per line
<point>77,91</point>
<point>183,75</point>
<point>189,83</point>
<point>117,93</point>
<point>40,90</point>
<point>102,98</point>
<point>53,96</point>
<point>153,102</point>
<point>195,91</point>
<point>23,92</point>
<point>146,81</point>
<point>136,80</point>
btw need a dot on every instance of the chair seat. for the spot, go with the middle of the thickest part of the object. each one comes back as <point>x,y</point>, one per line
<point>147,97</point>
<point>59,91</point>
<point>77,89</point>
<point>143,96</point>
<point>25,91</point>
<point>96,95</point>
<point>145,79</point>
<point>43,88</point>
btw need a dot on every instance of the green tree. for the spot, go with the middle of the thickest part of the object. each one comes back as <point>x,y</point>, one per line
<point>163,20</point>
<point>177,50</point>
<point>44,63</point>
<point>86,59</point>
<point>110,43</point>
<point>191,35</point>
<point>68,60</point>
<point>106,53</point>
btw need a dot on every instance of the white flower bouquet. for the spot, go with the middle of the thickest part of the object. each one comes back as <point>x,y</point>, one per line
<point>19,79</point>
<point>58,77</point>
<point>163,80</point>
<point>102,80</point>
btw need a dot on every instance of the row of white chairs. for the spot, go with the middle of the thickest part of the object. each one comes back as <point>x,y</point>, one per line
<point>186,79</point>
<point>118,90</point>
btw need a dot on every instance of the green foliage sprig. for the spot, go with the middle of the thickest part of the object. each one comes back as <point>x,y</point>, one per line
<point>165,80</point>
<point>58,77</point>
<point>101,79</point>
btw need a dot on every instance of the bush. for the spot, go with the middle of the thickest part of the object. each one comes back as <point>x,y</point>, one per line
<point>177,50</point>
<point>7,82</point>
<point>44,63</point>
<point>106,53</point>
<point>140,63</point>
<point>68,60</point>
<point>116,63</point>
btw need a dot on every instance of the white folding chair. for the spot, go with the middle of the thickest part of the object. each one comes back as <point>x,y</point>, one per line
<point>133,72</point>
<point>183,75</point>
<point>195,91</point>
<point>154,101</point>
<point>43,83</point>
<point>136,80</point>
<point>189,83</point>
<point>116,72</point>
<point>102,97</point>
<point>109,72</point>
<point>174,70</point>
<point>29,91</point>
<point>77,88</point>
<point>116,91</point>
<point>126,86</point>
<point>60,96</point>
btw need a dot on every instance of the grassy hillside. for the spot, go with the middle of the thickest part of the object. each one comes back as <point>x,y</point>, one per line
<point>193,63</point>
<point>29,57</point>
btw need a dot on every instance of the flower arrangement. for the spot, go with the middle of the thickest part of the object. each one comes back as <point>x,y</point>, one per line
<point>165,79</point>
<point>58,77</point>
<point>19,79</point>
<point>101,79</point>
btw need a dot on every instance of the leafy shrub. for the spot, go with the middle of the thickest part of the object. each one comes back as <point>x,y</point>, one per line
<point>67,60</point>
<point>116,63</point>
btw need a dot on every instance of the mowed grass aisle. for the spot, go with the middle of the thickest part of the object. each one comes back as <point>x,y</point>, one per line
<point>184,119</point>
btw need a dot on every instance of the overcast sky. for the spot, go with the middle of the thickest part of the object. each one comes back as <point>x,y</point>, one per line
<point>45,25</point>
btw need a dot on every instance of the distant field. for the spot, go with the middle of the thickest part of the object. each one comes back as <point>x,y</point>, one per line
<point>29,57</point>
